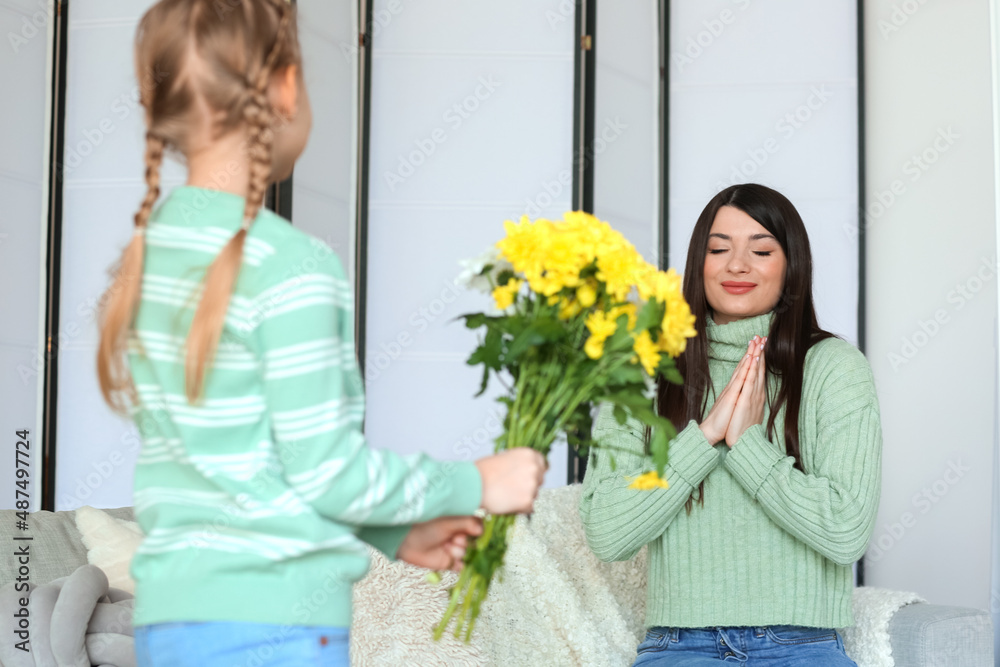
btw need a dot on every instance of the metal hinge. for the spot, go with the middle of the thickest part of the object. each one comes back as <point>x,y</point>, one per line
<point>586,42</point>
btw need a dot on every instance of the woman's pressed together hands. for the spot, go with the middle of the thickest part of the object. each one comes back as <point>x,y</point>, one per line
<point>741,403</point>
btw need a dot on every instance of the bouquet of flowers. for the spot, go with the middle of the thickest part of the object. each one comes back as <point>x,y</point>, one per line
<point>582,319</point>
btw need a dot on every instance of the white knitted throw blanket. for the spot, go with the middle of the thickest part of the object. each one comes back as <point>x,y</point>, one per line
<point>556,604</point>
<point>867,643</point>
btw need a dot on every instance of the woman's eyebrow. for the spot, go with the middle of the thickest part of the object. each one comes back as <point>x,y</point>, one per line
<point>753,237</point>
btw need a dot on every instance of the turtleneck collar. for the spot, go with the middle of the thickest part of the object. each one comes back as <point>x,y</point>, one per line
<point>728,342</point>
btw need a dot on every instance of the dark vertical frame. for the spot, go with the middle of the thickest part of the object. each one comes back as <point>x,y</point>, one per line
<point>584,79</point>
<point>862,201</point>
<point>278,196</point>
<point>664,45</point>
<point>53,257</point>
<point>862,192</point>
<point>361,205</point>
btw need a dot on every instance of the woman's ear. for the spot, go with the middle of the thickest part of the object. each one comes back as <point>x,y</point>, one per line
<point>285,89</point>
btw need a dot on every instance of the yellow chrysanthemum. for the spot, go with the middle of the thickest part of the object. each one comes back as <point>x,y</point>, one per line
<point>646,352</point>
<point>620,268</point>
<point>600,327</point>
<point>624,309</point>
<point>678,322</point>
<point>648,481</point>
<point>600,324</point>
<point>565,258</point>
<point>526,245</point>
<point>552,254</point>
<point>504,295</point>
<point>677,326</point>
<point>569,309</point>
<point>587,294</point>
<point>594,347</point>
<point>659,285</point>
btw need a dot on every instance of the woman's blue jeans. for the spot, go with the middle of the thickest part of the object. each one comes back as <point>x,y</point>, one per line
<point>232,644</point>
<point>774,646</point>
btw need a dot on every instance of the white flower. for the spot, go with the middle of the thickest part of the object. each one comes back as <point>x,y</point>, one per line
<point>474,274</point>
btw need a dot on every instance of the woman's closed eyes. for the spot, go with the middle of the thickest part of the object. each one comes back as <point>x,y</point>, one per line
<point>761,253</point>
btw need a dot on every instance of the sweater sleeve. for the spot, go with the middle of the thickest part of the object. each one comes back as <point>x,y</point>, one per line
<point>832,507</point>
<point>619,521</point>
<point>315,401</point>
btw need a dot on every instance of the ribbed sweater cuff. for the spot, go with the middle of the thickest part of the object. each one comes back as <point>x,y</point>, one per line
<point>465,493</point>
<point>691,455</point>
<point>752,458</point>
<point>386,539</point>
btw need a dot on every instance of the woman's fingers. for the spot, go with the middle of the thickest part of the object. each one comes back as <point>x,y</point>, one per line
<point>742,369</point>
<point>749,407</point>
<point>736,381</point>
<point>716,426</point>
<point>761,369</point>
<point>756,374</point>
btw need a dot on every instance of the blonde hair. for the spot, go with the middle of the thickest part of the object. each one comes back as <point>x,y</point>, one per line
<point>190,54</point>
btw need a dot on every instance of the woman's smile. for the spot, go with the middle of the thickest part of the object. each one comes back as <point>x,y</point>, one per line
<point>737,287</point>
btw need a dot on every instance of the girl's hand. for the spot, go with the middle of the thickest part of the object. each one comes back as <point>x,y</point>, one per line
<point>750,404</point>
<point>439,544</point>
<point>716,423</point>
<point>511,480</point>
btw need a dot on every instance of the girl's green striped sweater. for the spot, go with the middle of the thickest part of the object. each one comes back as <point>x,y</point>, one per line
<point>257,502</point>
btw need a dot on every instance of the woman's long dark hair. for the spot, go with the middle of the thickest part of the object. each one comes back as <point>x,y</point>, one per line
<point>794,328</point>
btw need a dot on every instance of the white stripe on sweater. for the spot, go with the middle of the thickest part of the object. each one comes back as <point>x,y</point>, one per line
<point>287,504</point>
<point>235,540</point>
<point>304,358</point>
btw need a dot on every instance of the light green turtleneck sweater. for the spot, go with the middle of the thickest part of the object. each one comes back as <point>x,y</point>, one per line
<point>771,545</point>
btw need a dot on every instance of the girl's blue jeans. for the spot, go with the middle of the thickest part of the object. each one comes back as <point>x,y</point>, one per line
<point>232,644</point>
<point>774,646</point>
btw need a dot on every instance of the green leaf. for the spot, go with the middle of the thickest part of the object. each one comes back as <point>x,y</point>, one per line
<point>489,351</point>
<point>621,339</point>
<point>650,315</point>
<point>627,374</point>
<point>540,331</point>
<point>658,449</point>
<point>669,371</point>
<point>629,399</point>
<point>589,270</point>
<point>489,355</point>
<point>485,381</point>
<point>621,416</point>
<point>474,320</point>
<point>512,325</point>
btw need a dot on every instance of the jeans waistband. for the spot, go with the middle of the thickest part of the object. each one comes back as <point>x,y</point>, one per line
<point>673,633</point>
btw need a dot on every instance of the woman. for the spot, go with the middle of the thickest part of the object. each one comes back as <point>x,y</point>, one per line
<point>775,472</point>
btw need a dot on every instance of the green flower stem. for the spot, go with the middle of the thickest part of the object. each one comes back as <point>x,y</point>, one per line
<point>463,580</point>
<point>543,388</point>
<point>479,567</point>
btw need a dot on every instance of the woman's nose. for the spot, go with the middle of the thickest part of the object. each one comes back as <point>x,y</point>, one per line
<point>737,264</point>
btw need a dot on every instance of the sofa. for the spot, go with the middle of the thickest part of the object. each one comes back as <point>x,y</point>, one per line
<point>556,604</point>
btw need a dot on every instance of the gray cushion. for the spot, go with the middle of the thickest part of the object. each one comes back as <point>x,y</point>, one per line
<point>931,635</point>
<point>56,549</point>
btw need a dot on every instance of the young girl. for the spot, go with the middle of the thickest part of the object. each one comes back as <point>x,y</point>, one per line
<point>775,472</point>
<point>254,487</point>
